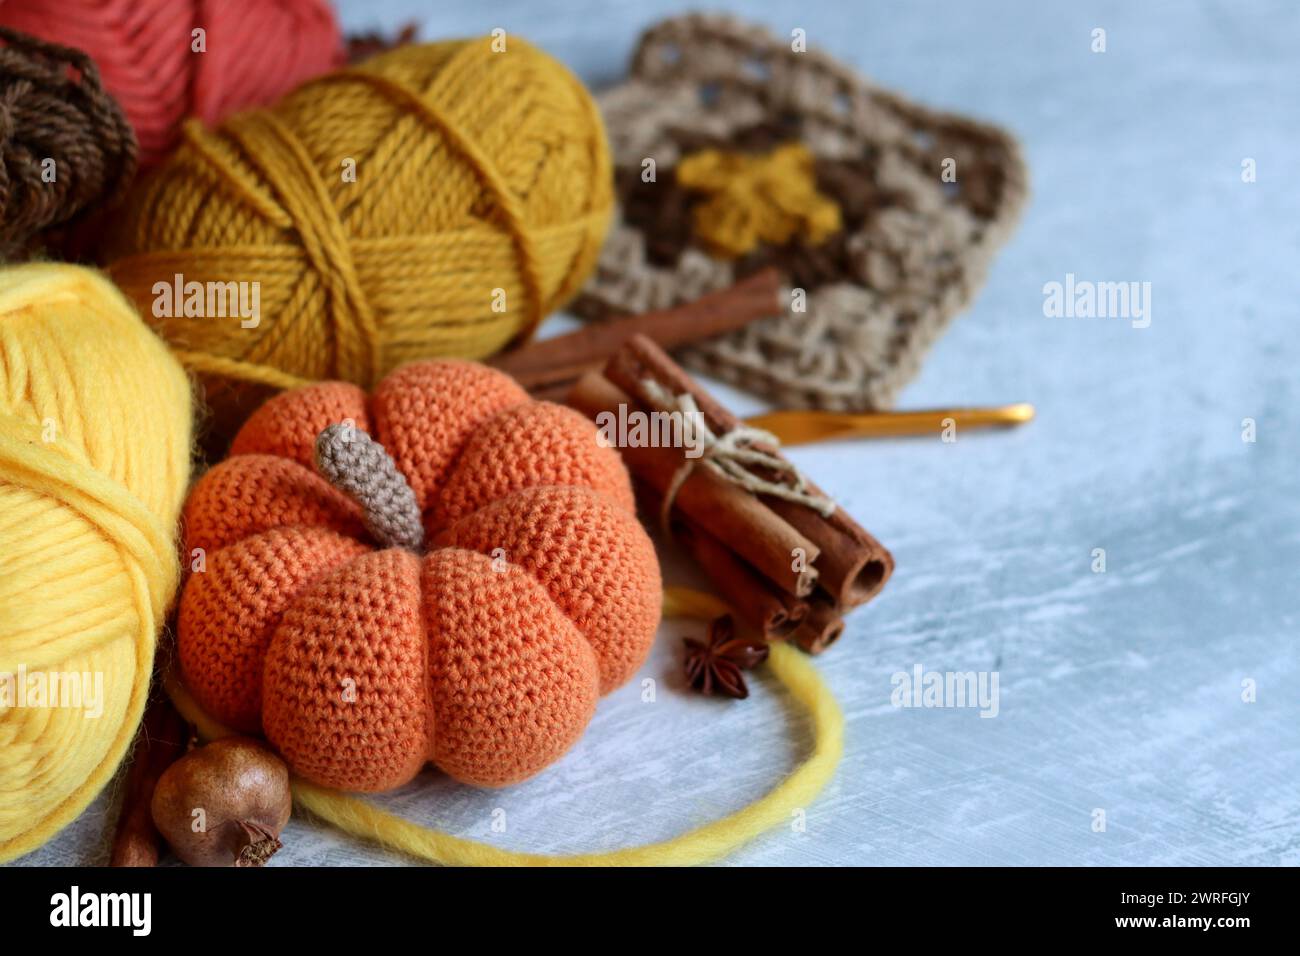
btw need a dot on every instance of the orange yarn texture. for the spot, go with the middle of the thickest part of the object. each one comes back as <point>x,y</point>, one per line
<point>485,655</point>
<point>252,51</point>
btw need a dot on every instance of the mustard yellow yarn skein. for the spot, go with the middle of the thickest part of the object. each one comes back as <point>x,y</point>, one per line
<point>94,463</point>
<point>438,200</point>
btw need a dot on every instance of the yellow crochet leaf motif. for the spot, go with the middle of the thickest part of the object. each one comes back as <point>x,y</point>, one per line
<point>754,199</point>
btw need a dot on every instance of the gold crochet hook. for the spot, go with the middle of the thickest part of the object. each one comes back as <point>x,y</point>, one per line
<point>800,427</point>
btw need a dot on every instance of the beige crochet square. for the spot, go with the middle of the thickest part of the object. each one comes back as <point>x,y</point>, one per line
<point>912,264</point>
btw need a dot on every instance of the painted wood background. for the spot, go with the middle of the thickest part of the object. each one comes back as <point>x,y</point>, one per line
<point>1125,692</point>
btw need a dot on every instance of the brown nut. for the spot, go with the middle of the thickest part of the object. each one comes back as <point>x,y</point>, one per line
<point>224,804</point>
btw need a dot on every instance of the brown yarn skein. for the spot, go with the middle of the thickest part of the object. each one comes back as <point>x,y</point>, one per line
<point>53,107</point>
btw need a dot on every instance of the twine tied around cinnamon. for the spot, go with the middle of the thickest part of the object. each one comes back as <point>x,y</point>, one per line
<point>740,455</point>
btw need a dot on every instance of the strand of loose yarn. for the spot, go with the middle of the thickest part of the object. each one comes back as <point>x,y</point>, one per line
<point>705,844</point>
<point>732,456</point>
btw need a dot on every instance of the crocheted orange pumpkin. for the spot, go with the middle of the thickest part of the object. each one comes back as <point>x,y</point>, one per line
<point>443,571</point>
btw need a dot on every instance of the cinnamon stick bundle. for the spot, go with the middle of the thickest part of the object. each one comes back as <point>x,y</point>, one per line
<point>821,626</point>
<point>790,568</point>
<point>549,366</point>
<point>852,565</point>
<point>768,610</point>
<point>727,511</point>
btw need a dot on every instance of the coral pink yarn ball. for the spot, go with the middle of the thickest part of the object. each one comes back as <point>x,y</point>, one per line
<point>253,51</point>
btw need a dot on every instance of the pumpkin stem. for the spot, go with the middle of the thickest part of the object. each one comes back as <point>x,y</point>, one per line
<point>358,466</point>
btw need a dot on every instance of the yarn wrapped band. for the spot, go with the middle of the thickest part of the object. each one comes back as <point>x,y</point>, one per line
<point>94,464</point>
<point>705,844</point>
<point>64,144</point>
<point>435,201</point>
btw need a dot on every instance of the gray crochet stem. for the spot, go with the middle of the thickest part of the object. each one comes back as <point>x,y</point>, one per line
<point>358,466</point>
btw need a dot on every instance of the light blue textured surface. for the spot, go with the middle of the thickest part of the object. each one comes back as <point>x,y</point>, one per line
<point>1120,691</point>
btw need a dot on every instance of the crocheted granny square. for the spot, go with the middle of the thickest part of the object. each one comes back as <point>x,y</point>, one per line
<point>924,200</point>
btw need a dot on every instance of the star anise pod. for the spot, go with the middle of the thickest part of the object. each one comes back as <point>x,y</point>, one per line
<point>714,665</point>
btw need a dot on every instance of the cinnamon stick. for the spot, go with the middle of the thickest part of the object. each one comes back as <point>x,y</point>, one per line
<point>730,513</point>
<point>852,565</point>
<point>536,381</point>
<point>565,358</point>
<point>764,608</point>
<point>821,626</point>
<point>161,741</point>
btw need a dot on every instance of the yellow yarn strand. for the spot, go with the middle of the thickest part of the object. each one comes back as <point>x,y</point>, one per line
<point>701,846</point>
<point>243,371</point>
<point>706,844</point>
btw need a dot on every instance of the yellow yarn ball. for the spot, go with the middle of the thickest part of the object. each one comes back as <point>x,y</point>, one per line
<point>94,462</point>
<point>438,200</point>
